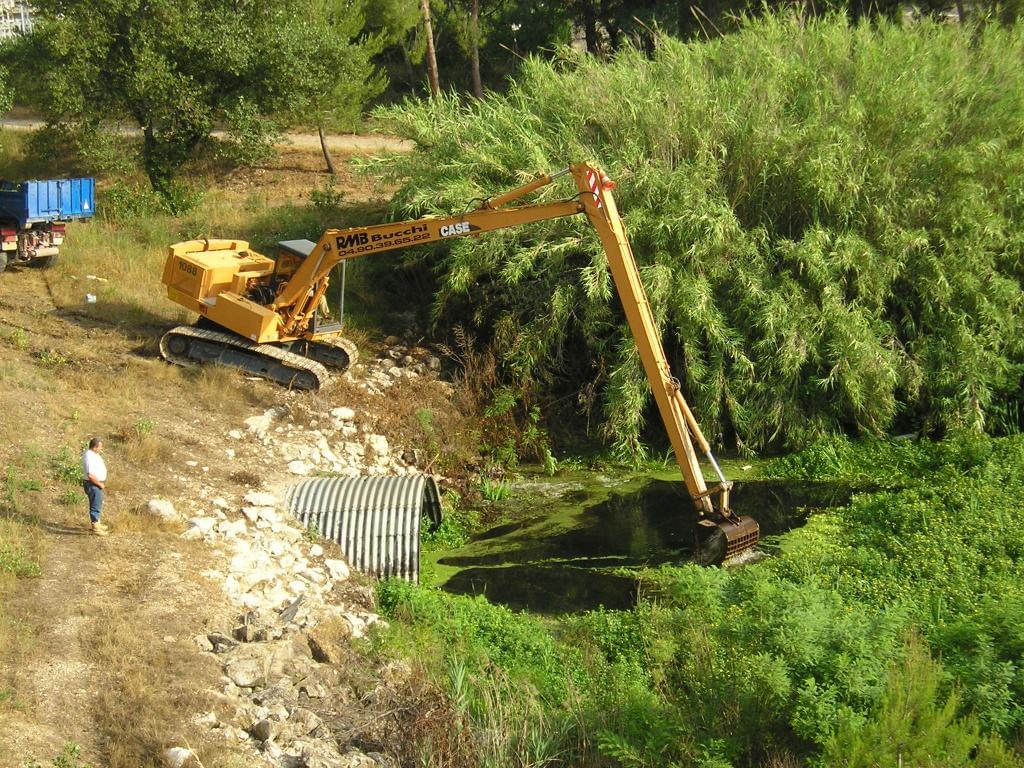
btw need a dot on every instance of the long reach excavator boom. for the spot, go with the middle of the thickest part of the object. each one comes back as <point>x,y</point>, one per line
<point>264,315</point>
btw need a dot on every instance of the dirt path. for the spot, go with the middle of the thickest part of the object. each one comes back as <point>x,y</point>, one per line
<point>97,602</point>
<point>346,142</point>
<point>110,620</point>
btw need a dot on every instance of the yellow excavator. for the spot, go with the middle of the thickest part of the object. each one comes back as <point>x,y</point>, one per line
<point>263,315</point>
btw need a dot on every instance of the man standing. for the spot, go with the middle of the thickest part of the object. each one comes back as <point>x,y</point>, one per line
<point>94,471</point>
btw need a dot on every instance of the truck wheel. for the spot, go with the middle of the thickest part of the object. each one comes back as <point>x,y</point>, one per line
<point>44,262</point>
<point>3,261</point>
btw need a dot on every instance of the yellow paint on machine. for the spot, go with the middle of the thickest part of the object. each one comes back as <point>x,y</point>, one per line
<point>210,276</point>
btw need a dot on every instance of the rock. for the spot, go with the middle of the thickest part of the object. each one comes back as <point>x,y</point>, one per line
<point>288,614</point>
<point>360,623</point>
<point>248,670</point>
<point>260,424</point>
<point>180,757</point>
<point>356,759</point>
<point>203,524</point>
<point>288,532</point>
<point>231,528</point>
<point>235,434</point>
<point>220,642</point>
<point>203,642</point>
<point>261,499</point>
<point>298,467</point>
<point>343,413</point>
<point>272,750</point>
<point>252,514</point>
<point>206,719</point>
<point>313,690</point>
<point>251,579</point>
<point>269,514</point>
<point>434,363</point>
<point>328,641</point>
<point>315,575</point>
<point>302,722</point>
<point>162,508</point>
<point>263,730</point>
<point>338,569</point>
<point>378,446</point>
<point>319,753</point>
<point>316,551</point>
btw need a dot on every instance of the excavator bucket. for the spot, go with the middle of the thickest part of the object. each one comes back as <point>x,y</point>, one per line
<point>718,540</point>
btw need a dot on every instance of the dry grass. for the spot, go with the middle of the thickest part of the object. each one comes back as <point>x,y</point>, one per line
<point>152,684</point>
<point>22,547</point>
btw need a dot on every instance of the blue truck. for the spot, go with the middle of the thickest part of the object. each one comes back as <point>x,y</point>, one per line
<point>33,217</point>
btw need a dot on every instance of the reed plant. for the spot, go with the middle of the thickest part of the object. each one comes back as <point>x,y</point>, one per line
<point>828,219</point>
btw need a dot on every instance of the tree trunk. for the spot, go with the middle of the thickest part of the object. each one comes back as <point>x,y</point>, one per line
<point>428,30</point>
<point>588,18</point>
<point>478,86</point>
<point>960,10</point>
<point>323,147</point>
<point>608,20</point>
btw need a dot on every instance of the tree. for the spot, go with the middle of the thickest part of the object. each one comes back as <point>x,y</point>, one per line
<point>428,32</point>
<point>5,96</point>
<point>337,81</point>
<point>474,42</point>
<point>5,92</point>
<point>178,68</point>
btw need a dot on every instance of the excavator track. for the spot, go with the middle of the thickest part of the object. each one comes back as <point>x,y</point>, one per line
<point>189,346</point>
<point>335,352</point>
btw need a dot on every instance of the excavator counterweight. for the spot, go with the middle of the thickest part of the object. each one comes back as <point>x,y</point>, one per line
<point>266,316</point>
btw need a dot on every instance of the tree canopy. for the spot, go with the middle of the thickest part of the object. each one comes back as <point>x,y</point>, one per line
<point>179,68</point>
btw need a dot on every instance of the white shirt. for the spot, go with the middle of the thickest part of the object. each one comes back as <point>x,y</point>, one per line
<point>92,464</point>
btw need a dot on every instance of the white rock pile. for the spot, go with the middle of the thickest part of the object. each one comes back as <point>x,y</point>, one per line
<point>298,609</point>
<point>338,446</point>
<point>274,660</point>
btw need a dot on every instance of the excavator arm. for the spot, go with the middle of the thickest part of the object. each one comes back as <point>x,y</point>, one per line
<point>594,199</point>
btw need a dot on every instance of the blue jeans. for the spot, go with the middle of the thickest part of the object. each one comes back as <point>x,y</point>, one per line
<point>95,494</point>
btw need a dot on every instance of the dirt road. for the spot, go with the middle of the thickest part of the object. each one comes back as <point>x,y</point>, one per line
<point>344,142</point>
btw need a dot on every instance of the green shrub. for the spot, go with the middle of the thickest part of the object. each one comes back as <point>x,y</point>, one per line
<point>804,654</point>
<point>17,562</point>
<point>916,724</point>
<point>457,525</point>
<point>66,467</point>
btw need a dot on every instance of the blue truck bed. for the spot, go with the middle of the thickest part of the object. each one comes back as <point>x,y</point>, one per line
<point>30,202</point>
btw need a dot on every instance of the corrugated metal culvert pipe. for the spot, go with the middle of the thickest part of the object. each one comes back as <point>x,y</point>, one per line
<point>375,520</point>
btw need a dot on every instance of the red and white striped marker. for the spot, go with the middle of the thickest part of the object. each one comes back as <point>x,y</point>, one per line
<point>594,182</point>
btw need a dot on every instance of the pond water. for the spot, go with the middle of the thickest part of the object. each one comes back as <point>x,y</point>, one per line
<point>564,552</point>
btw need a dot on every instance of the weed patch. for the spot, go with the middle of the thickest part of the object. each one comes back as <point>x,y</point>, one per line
<point>885,630</point>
